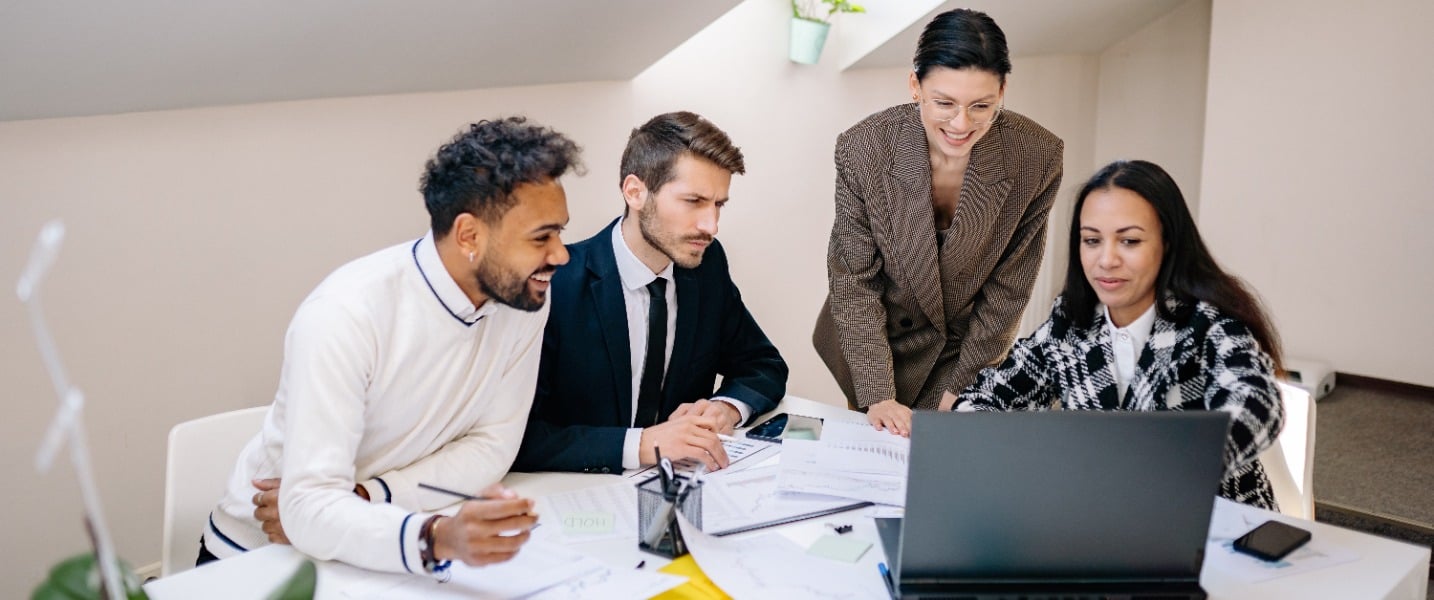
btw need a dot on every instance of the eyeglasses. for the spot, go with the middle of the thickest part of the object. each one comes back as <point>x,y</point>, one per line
<point>978,113</point>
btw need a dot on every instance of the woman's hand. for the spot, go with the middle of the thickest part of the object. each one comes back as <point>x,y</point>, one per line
<point>890,415</point>
<point>948,401</point>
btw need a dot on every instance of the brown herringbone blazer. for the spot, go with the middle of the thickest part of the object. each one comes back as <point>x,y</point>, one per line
<point>903,319</point>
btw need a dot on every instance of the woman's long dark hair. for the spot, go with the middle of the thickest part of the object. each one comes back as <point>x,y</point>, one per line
<point>1187,271</point>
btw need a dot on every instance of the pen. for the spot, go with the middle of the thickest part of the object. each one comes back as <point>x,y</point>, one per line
<point>658,527</point>
<point>886,578</point>
<point>669,482</point>
<point>462,495</point>
<point>692,482</point>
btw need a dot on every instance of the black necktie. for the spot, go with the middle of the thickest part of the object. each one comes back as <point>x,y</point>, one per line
<point>649,393</point>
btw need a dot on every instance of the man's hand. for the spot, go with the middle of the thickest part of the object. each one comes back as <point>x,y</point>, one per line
<point>725,414</point>
<point>484,532</point>
<point>687,436</point>
<point>266,508</point>
<point>890,415</point>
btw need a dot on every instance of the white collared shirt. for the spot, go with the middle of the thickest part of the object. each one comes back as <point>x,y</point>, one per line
<point>1126,343</point>
<point>635,277</point>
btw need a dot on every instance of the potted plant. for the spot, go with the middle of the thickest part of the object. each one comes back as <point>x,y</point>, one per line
<point>811,19</point>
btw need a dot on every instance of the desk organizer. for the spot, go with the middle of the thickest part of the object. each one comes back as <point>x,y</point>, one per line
<point>652,507</point>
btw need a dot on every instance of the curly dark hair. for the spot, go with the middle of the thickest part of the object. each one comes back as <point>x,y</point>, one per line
<point>478,169</point>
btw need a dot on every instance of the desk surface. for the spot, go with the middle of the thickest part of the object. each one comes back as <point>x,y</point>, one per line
<point>1383,569</point>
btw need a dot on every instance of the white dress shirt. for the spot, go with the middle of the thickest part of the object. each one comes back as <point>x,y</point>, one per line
<point>1126,343</point>
<point>635,277</point>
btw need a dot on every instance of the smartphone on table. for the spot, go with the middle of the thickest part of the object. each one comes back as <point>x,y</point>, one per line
<point>787,426</point>
<point>1272,540</point>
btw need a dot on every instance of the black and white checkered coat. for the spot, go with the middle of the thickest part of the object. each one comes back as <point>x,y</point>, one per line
<point>1212,360</point>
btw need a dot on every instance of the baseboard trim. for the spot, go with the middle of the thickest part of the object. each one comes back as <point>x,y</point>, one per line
<point>149,571</point>
<point>1390,520</point>
<point>1375,523</point>
<point>1412,390</point>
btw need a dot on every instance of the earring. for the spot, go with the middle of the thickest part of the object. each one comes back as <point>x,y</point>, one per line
<point>471,255</point>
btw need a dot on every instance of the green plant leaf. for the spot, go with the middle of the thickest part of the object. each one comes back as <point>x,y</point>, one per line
<point>300,585</point>
<point>76,578</point>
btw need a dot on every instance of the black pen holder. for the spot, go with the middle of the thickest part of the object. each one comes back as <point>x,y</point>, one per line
<point>657,531</point>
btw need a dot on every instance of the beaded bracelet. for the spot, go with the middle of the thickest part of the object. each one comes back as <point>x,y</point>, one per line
<point>426,547</point>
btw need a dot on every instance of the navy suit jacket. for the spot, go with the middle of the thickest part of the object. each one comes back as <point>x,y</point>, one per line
<point>583,405</point>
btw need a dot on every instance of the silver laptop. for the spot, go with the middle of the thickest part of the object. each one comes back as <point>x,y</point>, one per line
<point>1061,504</point>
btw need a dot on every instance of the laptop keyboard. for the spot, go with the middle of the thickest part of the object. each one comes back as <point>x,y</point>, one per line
<point>1057,597</point>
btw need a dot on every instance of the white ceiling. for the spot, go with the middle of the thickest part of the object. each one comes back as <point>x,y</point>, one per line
<point>1037,27</point>
<point>75,57</point>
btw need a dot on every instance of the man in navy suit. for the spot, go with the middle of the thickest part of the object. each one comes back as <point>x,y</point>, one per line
<point>645,316</point>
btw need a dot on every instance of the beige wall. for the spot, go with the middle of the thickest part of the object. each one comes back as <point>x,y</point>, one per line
<point>1152,96</point>
<point>1060,92</point>
<point>1317,174</point>
<point>194,234</point>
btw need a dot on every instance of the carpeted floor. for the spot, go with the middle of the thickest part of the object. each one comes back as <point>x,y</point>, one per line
<point>1374,463</point>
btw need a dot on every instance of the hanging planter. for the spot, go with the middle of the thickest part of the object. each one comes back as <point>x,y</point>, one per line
<point>811,20</point>
<point>808,37</point>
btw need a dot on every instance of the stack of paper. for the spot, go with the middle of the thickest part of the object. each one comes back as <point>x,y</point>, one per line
<point>851,460</point>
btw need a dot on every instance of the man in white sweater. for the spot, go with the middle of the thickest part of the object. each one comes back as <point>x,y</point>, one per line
<point>415,364</point>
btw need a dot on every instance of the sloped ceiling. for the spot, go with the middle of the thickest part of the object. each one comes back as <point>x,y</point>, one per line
<point>64,58</point>
<point>88,57</point>
<point>1036,27</point>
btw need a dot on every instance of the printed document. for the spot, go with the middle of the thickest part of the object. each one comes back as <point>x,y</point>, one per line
<point>851,460</point>
<point>735,500</point>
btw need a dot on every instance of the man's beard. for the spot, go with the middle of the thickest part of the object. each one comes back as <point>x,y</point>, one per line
<point>506,286</point>
<point>668,244</point>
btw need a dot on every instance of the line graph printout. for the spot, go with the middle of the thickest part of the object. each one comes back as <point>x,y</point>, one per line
<point>733,500</point>
<point>851,460</point>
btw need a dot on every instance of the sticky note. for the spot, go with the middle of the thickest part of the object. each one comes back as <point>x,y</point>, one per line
<point>845,549</point>
<point>588,522</point>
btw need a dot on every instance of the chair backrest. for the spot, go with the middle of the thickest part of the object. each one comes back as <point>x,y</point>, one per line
<point>1290,461</point>
<point>202,454</point>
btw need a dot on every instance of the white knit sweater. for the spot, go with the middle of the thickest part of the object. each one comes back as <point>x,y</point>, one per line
<point>391,377</point>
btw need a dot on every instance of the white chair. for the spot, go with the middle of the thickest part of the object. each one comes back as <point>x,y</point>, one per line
<point>1290,461</point>
<point>202,454</point>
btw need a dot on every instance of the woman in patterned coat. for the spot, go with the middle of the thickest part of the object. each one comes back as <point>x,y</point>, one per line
<point>1148,321</point>
<point>941,209</point>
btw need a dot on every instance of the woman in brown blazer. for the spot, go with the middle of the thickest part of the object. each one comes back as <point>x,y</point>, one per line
<point>941,209</point>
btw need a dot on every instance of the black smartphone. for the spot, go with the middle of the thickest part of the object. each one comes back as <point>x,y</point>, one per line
<point>786,426</point>
<point>1272,540</point>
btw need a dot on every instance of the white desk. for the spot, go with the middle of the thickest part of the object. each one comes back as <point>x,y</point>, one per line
<point>1384,569</point>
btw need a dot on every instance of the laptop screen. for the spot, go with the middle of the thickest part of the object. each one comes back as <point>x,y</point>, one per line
<point>1061,495</point>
